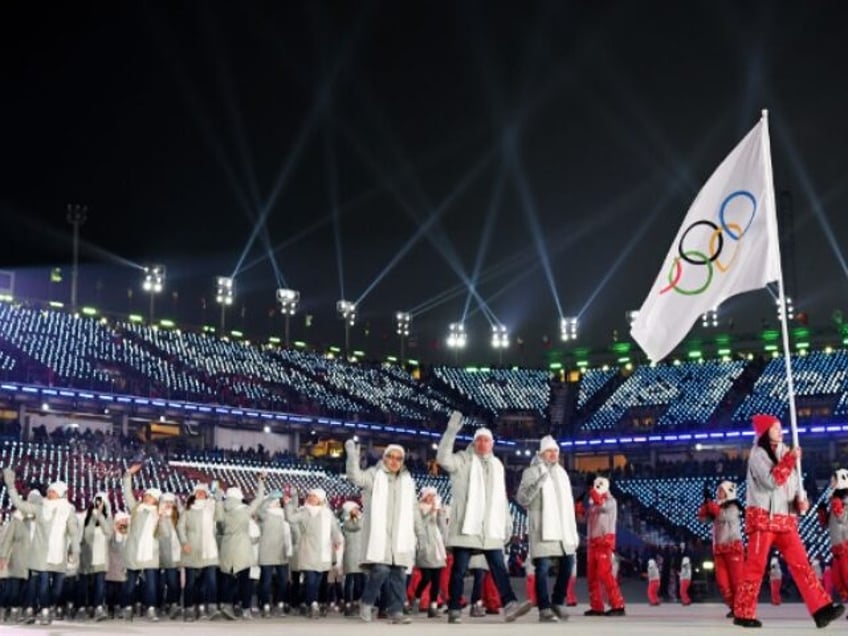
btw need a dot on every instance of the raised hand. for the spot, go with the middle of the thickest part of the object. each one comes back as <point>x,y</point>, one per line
<point>455,421</point>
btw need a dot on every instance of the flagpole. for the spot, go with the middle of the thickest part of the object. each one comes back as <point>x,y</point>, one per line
<point>781,298</point>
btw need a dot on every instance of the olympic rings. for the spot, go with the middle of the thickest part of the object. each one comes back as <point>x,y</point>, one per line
<point>699,257</point>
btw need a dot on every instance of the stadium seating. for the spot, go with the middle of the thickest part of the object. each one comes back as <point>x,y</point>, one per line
<point>689,393</point>
<point>816,374</point>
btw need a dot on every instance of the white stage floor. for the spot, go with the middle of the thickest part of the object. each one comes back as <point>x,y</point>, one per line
<point>641,620</point>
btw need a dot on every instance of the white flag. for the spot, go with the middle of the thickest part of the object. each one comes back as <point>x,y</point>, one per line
<point>728,244</point>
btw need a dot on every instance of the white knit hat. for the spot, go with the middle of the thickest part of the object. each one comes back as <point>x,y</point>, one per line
<point>394,447</point>
<point>318,492</point>
<point>234,492</point>
<point>168,497</point>
<point>428,490</point>
<point>483,432</point>
<point>547,443</point>
<point>153,492</point>
<point>59,487</point>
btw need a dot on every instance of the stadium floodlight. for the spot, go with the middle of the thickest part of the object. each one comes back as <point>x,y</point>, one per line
<point>500,337</point>
<point>568,328</point>
<point>153,283</point>
<point>225,291</point>
<point>500,340</point>
<point>457,338</point>
<point>347,312</point>
<point>288,299</point>
<point>403,321</point>
<point>710,318</point>
<point>631,316</point>
<point>790,309</point>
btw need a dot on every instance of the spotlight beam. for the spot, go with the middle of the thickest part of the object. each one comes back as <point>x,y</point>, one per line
<point>816,205</point>
<point>297,148</point>
<point>529,207</point>
<point>423,229</point>
<point>335,214</point>
<point>485,235</point>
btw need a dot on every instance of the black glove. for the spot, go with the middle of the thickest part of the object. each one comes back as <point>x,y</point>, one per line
<point>708,495</point>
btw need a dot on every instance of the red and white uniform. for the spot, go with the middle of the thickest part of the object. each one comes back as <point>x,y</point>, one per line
<point>685,580</point>
<point>775,581</point>
<point>773,491</point>
<point>653,582</point>
<point>600,529</point>
<point>837,527</point>
<point>728,551</point>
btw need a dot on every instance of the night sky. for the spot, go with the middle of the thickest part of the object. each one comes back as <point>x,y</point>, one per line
<point>398,151</point>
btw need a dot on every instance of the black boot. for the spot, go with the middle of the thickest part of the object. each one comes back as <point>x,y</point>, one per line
<point>828,613</point>
<point>747,622</point>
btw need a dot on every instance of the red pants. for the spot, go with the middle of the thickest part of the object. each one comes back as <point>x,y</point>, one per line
<point>729,566</point>
<point>785,538</point>
<point>775,591</point>
<point>684,591</point>
<point>653,589</point>
<point>570,596</point>
<point>839,569</point>
<point>530,584</point>
<point>491,597</point>
<point>600,574</point>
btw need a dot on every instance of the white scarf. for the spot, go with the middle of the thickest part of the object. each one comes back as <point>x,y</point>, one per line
<point>557,502</point>
<point>208,544</point>
<point>486,499</point>
<point>325,540</point>
<point>144,550</point>
<point>405,529</point>
<point>55,514</point>
<point>98,547</point>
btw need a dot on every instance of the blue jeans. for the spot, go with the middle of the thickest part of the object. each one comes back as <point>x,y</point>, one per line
<point>543,567</point>
<point>96,584</point>
<point>311,585</point>
<point>353,585</point>
<point>237,588</point>
<point>266,574</point>
<point>478,576</point>
<point>150,578</point>
<point>170,592</point>
<point>395,578</point>
<point>206,579</point>
<point>14,592</point>
<point>48,587</point>
<point>495,561</point>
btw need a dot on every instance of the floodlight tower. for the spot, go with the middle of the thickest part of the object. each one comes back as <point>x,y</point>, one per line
<point>710,318</point>
<point>457,339</point>
<point>568,328</point>
<point>790,309</point>
<point>403,321</point>
<point>77,215</point>
<point>500,340</point>
<point>153,283</point>
<point>347,312</point>
<point>224,296</point>
<point>288,300</point>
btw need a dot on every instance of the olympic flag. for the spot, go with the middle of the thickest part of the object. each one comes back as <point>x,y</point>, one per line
<point>728,244</point>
